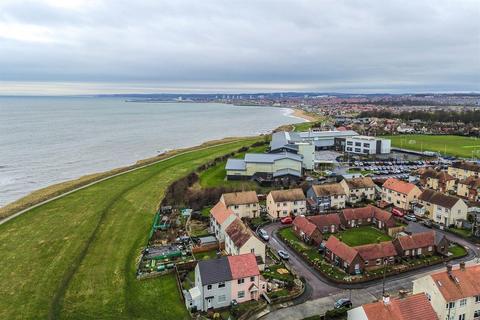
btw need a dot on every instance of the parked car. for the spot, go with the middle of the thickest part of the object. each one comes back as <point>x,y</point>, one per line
<point>343,303</point>
<point>397,212</point>
<point>283,254</point>
<point>263,234</point>
<point>411,217</point>
<point>286,220</point>
<point>427,223</point>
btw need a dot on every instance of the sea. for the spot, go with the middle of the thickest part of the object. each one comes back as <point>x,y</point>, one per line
<point>46,140</point>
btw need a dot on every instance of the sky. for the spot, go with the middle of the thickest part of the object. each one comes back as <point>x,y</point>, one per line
<point>151,46</point>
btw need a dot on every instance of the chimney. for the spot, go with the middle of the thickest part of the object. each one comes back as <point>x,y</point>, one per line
<point>402,294</point>
<point>462,265</point>
<point>386,299</point>
<point>449,268</point>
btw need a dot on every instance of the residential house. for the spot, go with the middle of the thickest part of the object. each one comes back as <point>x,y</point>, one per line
<point>416,244</point>
<point>327,223</point>
<point>400,193</point>
<point>463,170</point>
<point>359,189</point>
<point>369,215</point>
<point>220,281</point>
<point>327,196</point>
<point>442,208</point>
<point>404,307</point>
<point>306,230</point>
<point>220,219</point>
<point>265,166</point>
<point>441,241</point>
<point>239,239</point>
<point>343,256</point>
<point>454,293</point>
<point>244,204</point>
<point>283,203</point>
<point>377,254</point>
<point>469,188</point>
<point>437,180</point>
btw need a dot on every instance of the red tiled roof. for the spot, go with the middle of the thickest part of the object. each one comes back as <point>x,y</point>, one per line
<point>366,212</point>
<point>398,185</point>
<point>243,266</point>
<point>238,232</point>
<point>304,225</point>
<point>340,249</point>
<point>325,220</point>
<point>417,240</point>
<point>468,284</point>
<point>377,250</point>
<point>412,307</point>
<point>220,212</point>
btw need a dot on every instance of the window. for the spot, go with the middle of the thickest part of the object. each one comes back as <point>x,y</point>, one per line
<point>476,313</point>
<point>252,279</point>
<point>366,262</point>
<point>429,297</point>
<point>379,261</point>
<point>463,302</point>
<point>252,250</point>
<point>221,284</point>
<point>209,287</point>
<point>241,294</point>
<point>477,299</point>
<point>240,281</point>
<point>461,317</point>
<point>450,305</point>
<point>236,207</point>
<point>222,298</point>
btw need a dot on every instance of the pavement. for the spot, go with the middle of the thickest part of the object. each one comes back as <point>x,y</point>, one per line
<point>322,294</point>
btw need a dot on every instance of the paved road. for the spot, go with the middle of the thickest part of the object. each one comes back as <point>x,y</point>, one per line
<point>324,293</point>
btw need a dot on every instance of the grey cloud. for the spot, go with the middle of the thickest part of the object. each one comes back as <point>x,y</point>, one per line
<point>334,45</point>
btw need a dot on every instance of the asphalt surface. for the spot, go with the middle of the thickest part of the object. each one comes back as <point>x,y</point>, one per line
<point>322,287</point>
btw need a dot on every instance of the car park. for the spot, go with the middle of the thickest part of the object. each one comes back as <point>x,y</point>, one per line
<point>283,254</point>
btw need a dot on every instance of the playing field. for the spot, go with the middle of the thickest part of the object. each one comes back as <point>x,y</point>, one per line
<point>459,146</point>
<point>74,258</point>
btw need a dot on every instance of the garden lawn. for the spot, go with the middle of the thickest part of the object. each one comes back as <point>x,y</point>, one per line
<point>457,251</point>
<point>74,257</point>
<point>205,255</point>
<point>362,235</point>
<point>458,146</point>
<point>215,176</point>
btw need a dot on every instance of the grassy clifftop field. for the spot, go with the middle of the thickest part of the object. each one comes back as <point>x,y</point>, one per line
<point>74,258</point>
<point>459,146</point>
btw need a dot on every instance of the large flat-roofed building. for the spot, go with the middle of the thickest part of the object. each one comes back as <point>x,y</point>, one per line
<point>288,141</point>
<point>367,145</point>
<point>265,165</point>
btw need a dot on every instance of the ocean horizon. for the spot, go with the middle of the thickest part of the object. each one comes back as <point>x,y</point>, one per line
<point>47,140</point>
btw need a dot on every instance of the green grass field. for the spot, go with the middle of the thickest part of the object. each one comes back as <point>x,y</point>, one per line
<point>465,147</point>
<point>74,258</point>
<point>362,235</point>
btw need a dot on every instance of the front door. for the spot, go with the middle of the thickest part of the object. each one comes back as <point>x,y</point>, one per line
<point>209,303</point>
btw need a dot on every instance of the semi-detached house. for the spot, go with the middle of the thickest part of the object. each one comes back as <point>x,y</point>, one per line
<point>283,203</point>
<point>220,219</point>
<point>442,208</point>
<point>359,189</point>
<point>400,193</point>
<point>327,196</point>
<point>454,293</point>
<point>220,281</point>
<point>244,204</point>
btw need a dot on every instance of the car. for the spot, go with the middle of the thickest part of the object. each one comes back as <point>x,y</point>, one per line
<point>427,223</point>
<point>397,212</point>
<point>286,220</point>
<point>410,217</point>
<point>263,234</point>
<point>343,303</point>
<point>283,254</point>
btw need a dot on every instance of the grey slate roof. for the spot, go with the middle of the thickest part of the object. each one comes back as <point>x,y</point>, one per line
<point>215,270</point>
<point>413,227</point>
<point>235,164</point>
<point>271,157</point>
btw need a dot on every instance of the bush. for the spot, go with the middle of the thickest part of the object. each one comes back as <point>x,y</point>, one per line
<point>336,313</point>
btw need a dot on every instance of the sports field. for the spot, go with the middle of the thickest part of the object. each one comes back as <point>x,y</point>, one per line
<point>459,146</point>
<point>74,258</point>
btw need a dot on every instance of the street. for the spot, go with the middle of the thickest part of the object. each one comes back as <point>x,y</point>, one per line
<point>323,294</point>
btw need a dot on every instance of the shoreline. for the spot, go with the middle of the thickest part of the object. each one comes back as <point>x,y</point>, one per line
<point>302,114</point>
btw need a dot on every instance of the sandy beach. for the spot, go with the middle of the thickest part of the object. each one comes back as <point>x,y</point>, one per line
<point>304,115</point>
